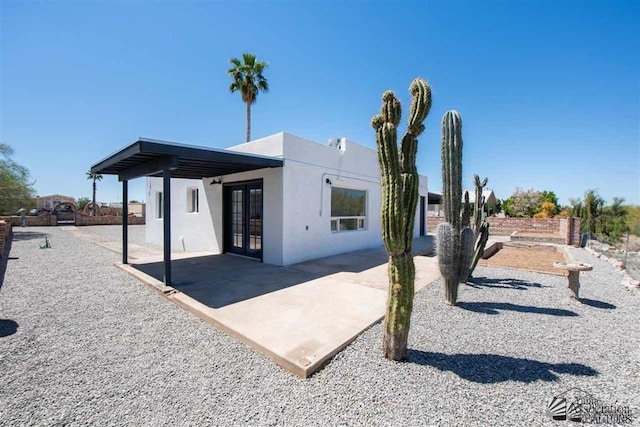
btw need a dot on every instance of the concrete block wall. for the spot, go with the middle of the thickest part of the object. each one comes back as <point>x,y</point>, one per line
<point>506,226</point>
<point>47,220</point>
<point>568,228</point>
<point>82,219</point>
<point>32,221</point>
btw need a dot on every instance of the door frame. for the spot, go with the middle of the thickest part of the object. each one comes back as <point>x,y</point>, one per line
<point>227,188</point>
<point>423,202</point>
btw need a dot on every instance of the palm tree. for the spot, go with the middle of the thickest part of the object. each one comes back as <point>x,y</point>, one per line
<point>95,177</point>
<point>248,80</point>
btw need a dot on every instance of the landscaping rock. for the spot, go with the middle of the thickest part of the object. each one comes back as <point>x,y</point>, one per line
<point>91,345</point>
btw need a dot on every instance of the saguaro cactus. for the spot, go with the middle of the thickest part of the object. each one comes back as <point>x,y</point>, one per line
<point>455,238</point>
<point>480,226</point>
<point>399,180</point>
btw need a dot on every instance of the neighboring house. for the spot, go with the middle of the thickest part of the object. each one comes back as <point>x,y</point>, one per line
<point>489,196</point>
<point>436,205</point>
<point>324,200</point>
<point>137,209</point>
<point>115,208</point>
<point>51,201</point>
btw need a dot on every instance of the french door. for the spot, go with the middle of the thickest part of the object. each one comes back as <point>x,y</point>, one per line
<point>243,218</point>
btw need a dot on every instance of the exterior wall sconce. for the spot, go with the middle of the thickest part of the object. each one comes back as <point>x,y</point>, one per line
<point>216,180</point>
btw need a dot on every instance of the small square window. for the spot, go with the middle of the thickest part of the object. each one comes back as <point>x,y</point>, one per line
<point>193,200</point>
<point>348,224</point>
<point>159,204</point>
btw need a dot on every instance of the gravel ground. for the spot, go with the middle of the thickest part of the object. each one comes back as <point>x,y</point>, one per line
<point>94,346</point>
<point>114,232</point>
<point>632,259</point>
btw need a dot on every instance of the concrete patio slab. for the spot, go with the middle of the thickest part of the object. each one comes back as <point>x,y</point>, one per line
<point>300,316</point>
<point>137,253</point>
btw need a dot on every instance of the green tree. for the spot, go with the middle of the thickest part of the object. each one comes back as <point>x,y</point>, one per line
<point>613,220</point>
<point>610,222</point>
<point>249,81</point>
<point>633,219</point>
<point>16,190</point>
<point>591,209</point>
<point>575,207</point>
<point>528,204</point>
<point>495,208</point>
<point>549,196</point>
<point>547,210</point>
<point>94,177</point>
<point>523,204</point>
<point>82,202</point>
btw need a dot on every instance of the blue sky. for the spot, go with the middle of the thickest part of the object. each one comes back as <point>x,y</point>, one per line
<point>549,91</point>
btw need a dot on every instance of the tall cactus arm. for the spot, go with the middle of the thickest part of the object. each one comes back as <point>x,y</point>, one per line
<point>466,211</point>
<point>391,219</point>
<point>480,245</point>
<point>391,108</point>
<point>467,240</point>
<point>418,111</point>
<point>420,106</point>
<point>446,249</point>
<point>452,166</point>
<point>478,207</point>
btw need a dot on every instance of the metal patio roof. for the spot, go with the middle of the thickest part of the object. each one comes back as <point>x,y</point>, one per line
<point>149,157</point>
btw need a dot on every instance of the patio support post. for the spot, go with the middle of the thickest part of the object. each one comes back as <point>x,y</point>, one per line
<point>125,222</point>
<point>166,222</point>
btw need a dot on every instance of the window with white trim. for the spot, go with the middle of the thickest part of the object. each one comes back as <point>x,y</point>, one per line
<point>159,204</point>
<point>193,200</point>
<point>348,209</point>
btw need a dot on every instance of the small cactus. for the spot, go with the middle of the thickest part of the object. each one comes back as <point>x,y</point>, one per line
<point>399,180</point>
<point>455,238</point>
<point>478,206</point>
<point>480,226</point>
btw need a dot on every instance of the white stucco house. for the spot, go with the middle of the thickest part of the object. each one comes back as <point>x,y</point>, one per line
<point>323,200</point>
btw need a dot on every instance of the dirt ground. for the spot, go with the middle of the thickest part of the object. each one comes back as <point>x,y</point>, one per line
<point>538,234</point>
<point>533,259</point>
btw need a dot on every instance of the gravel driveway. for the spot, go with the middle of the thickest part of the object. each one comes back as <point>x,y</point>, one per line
<point>82,343</point>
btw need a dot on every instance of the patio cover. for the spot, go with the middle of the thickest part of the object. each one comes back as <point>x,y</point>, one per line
<point>150,157</point>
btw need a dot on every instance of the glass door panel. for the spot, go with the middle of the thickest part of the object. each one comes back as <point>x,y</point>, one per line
<point>255,219</point>
<point>237,218</point>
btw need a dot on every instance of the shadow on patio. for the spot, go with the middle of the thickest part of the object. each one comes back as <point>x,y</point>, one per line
<point>221,280</point>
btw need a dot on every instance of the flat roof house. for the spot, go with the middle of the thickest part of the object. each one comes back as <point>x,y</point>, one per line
<point>281,199</point>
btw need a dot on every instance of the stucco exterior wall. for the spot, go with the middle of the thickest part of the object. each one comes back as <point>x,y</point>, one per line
<point>196,230</point>
<point>272,146</point>
<point>296,201</point>
<point>307,198</point>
